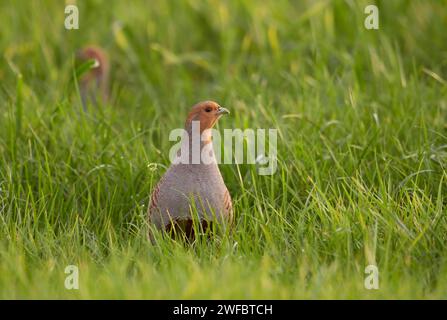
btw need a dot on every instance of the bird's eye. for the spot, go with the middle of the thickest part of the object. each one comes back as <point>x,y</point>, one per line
<point>208,109</point>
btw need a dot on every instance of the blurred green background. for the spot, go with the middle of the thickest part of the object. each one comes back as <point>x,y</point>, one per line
<point>362,148</point>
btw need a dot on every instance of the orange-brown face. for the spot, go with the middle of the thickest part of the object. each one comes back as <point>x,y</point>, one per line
<point>207,113</point>
<point>98,55</point>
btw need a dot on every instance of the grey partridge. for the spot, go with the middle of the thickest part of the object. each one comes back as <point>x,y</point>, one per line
<point>193,184</point>
<point>95,83</point>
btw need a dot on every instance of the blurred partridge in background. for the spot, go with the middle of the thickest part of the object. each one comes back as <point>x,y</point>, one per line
<point>94,85</point>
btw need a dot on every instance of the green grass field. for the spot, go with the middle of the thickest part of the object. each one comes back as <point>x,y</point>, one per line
<point>362,148</point>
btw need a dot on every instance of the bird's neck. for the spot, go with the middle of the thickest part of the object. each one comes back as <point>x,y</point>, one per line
<point>196,147</point>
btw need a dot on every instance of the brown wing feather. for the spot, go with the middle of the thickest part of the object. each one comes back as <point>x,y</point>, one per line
<point>153,203</point>
<point>228,204</point>
<point>154,199</point>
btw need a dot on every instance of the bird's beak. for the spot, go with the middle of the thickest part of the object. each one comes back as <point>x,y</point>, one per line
<point>222,110</point>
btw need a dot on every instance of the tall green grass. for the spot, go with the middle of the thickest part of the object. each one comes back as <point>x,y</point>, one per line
<point>362,148</point>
